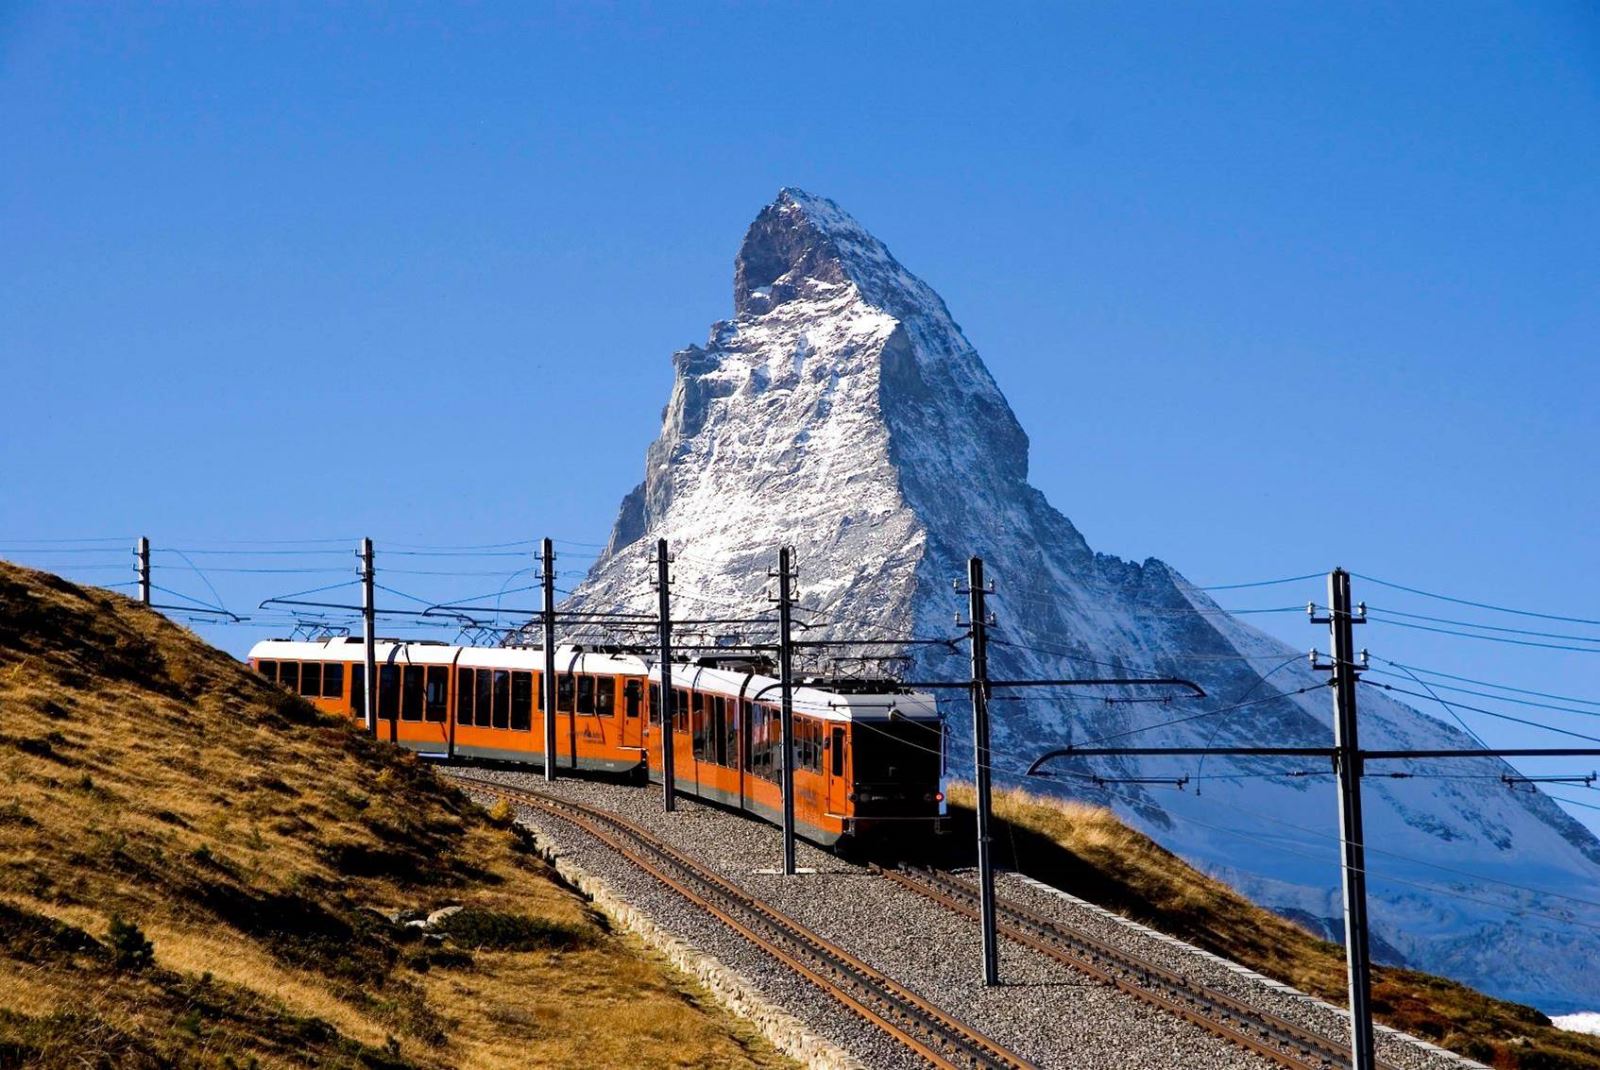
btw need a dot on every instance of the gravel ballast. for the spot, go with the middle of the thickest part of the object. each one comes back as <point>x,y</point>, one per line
<point>1042,1010</point>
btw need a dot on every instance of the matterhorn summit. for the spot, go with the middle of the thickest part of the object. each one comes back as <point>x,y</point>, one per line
<point>842,411</point>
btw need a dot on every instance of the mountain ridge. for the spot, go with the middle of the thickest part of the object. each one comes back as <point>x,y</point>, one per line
<point>842,410</point>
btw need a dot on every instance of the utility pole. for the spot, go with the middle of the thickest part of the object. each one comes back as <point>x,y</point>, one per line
<point>977,594</point>
<point>142,568</point>
<point>547,560</point>
<point>1347,762</point>
<point>669,800</point>
<point>369,622</point>
<point>786,575</point>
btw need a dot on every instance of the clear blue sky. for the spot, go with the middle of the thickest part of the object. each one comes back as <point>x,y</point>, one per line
<point>1272,286</point>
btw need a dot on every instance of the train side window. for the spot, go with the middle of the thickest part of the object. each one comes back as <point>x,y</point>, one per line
<point>719,728</point>
<point>655,703</point>
<point>538,692</point>
<point>521,701</point>
<point>630,699</point>
<point>502,698</point>
<point>485,700</point>
<point>437,698</point>
<point>585,694</point>
<point>464,693</point>
<point>289,675</point>
<point>388,691</point>
<point>333,680</point>
<point>728,752</point>
<point>269,669</point>
<point>837,751</point>
<point>605,695</point>
<point>311,679</point>
<point>358,690</point>
<point>411,693</point>
<point>680,710</point>
<point>697,725</point>
<point>564,693</point>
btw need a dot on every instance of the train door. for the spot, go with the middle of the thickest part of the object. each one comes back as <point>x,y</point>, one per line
<point>631,716</point>
<point>597,696</point>
<point>836,763</point>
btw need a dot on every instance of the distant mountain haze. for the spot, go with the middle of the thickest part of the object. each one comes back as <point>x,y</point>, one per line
<point>841,410</point>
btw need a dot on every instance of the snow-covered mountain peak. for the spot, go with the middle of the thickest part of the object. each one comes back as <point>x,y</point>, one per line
<point>841,410</point>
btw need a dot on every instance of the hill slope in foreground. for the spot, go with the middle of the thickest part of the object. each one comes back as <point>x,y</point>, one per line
<point>1088,850</point>
<point>195,870</point>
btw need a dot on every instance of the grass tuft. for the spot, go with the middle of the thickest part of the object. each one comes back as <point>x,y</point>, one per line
<point>242,853</point>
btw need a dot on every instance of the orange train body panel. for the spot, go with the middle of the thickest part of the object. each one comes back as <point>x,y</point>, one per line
<point>868,754</point>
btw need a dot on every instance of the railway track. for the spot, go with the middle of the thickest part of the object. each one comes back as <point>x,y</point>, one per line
<point>941,1040</point>
<point>1285,1043</point>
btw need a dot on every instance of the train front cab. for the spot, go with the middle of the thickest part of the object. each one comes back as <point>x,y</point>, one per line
<point>864,764</point>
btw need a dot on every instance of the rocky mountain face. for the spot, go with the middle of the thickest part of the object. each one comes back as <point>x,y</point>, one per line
<point>842,411</point>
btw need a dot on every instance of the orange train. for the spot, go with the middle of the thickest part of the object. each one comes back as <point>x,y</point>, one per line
<point>868,753</point>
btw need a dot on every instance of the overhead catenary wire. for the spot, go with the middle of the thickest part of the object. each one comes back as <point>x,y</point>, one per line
<point>1484,638</point>
<point>1487,683</point>
<point>1487,712</point>
<point>1477,605</point>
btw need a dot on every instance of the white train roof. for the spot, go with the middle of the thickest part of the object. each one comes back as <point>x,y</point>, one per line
<point>819,702</point>
<point>403,652</point>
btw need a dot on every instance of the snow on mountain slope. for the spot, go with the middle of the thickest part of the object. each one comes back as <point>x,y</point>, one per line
<point>841,410</point>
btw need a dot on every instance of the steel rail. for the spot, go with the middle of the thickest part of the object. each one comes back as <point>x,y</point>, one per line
<point>1284,1042</point>
<point>941,1040</point>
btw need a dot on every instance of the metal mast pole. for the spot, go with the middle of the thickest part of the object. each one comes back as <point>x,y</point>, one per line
<point>669,800</point>
<point>547,563</point>
<point>1348,763</point>
<point>369,681</point>
<point>980,756</point>
<point>142,567</point>
<point>786,705</point>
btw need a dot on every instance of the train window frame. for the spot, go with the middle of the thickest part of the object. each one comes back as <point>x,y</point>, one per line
<point>358,690</point>
<point>483,689</point>
<point>466,690</point>
<point>269,673</point>
<point>716,730</point>
<point>333,680</point>
<point>632,692</point>
<point>697,726</point>
<point>655,702</point>
<point>605,696</point>
<point>286,671</point>
<point>680,709</point>
<point>500,714</point>
<point>730,734</point>
<point>311,679</point>
<point>585,702</point>
<point>436,703</point>
<point>521,704</point>
<point>565,690</point>
<point>836,752</point>
<point>388,691</point>
<point>413,690</point>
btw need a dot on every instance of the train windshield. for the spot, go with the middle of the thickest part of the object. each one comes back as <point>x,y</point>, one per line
<point>898,752</point>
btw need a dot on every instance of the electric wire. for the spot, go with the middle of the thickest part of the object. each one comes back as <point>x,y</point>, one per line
<point>1477,605</point>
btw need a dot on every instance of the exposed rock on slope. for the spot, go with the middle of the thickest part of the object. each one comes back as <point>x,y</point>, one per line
<point>842,410</point>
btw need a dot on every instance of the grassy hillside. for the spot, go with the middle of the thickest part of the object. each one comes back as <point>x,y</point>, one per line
<point>1088,851</point>
<point>197,869</point>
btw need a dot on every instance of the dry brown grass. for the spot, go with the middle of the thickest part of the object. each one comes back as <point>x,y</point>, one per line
<point>1088,851</point>
<point>253,842</point>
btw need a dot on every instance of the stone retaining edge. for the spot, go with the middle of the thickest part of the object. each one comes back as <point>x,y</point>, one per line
<point>786,1032</point>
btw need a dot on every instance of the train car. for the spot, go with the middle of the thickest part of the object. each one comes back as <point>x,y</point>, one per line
<point>868,753</point>
<point>475,702</point>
